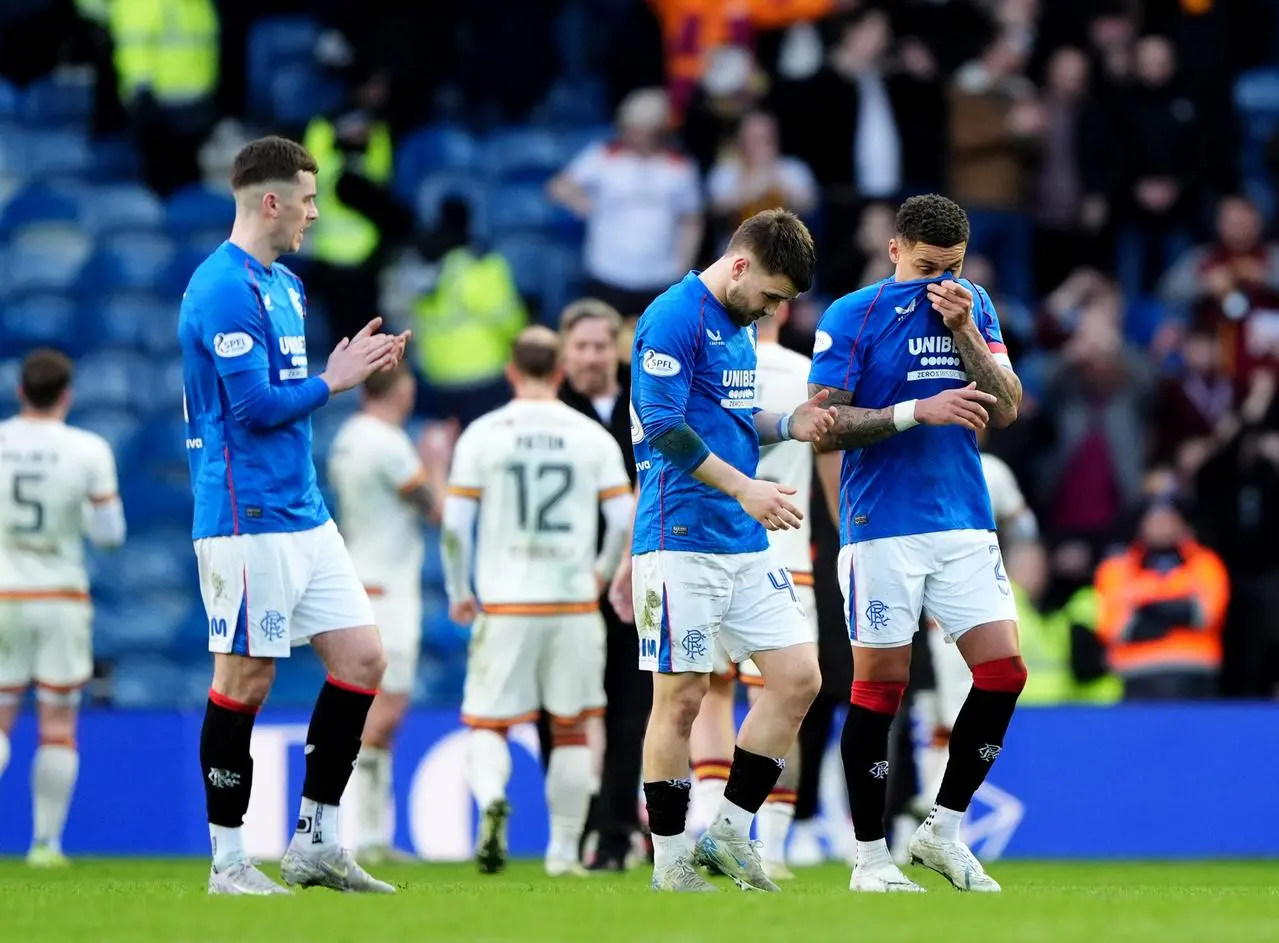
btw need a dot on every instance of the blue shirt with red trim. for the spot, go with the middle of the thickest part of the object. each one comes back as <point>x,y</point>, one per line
<point>691,363</point>
<point>885,343</point>
<point>247,399</point>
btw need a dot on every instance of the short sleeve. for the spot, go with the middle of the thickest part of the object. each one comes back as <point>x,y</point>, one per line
<point>103,481</point>
<point>613,480</point>
<point>466,477</point>
<point>837,359</point>
<point>587,167</point>
<point>233,328</point>
<point>988,323</point>
<point>402,465</point>
<point>664,358</point>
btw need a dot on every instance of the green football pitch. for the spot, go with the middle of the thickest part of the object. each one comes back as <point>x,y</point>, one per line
<point>140,901</point>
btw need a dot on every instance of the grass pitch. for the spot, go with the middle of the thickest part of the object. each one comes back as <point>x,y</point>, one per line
<point>149,901</point>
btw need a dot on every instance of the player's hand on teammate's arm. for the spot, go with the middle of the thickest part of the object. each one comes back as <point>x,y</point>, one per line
<point>464,611</point>
<point>966,406</point>
<point>355,359</point>
<point>619,591</point>
<point>813,419</point>
<point>766,501</point>
<point>953,302</point>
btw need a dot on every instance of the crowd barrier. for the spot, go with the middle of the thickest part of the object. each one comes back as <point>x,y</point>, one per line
<point>1156,782</point>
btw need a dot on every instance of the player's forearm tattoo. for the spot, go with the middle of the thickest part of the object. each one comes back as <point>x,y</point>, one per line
<point>855,427</point>
<point>990,377</point>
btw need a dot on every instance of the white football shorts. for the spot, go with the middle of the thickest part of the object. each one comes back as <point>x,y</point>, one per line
<point>519,664</point>
<point>748,672</point>
<point>398,614</point>
<point>956,577</point>
<point>685,601</point>
<point>264,593</point>
<point>47,641</point>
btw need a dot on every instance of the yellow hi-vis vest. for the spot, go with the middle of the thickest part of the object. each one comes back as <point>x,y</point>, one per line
<point>465,327</point>
<point>1045,647</point>
<point>168,46</point>
<point>342,236</point>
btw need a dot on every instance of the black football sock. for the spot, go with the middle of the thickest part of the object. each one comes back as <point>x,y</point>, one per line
<point>333,740</point>
<point>667,801</point>
<point>864,748</point>
<point>225,764</point>
<point>978,735</point>
<point>751,778</point>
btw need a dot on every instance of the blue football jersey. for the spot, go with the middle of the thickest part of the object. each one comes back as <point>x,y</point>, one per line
<point>692,363</point>
<point>885,343</point>
<point>247,398</point>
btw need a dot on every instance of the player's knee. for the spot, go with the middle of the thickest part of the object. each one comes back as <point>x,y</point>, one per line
<point>677,699</point>
<point>244,680</point>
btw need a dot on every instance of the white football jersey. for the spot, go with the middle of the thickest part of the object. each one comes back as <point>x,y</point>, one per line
<point>781,384</point>
<point>539,469</point>
<point>1006,499</point>
<point>372,465</point>
<point>50,474</point>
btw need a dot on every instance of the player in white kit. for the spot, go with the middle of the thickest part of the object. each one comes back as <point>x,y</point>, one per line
<point>57,487</point>
<point>383,500</point>
<point>537,473</point>
<point>781,378</point>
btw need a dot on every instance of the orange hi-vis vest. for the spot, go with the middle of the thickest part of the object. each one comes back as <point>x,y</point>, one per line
<point>1124,585</point>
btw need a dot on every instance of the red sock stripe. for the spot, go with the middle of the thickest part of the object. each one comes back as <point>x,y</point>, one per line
<point>711,769</point>
<point>782,795</point>
<point>568,740</point>
<point>348,686</point>
<point>1003,674</point>
<point>231,704</point>
<point>882,697</point>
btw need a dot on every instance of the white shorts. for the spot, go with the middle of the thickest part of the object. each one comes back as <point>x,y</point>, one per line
<point>957,577</point>
<point>398,614</point>
<point>519,664</point>
<point>685,601</point>
<point>45,641</point>
<point>264,593</point>
<point>747,672</point>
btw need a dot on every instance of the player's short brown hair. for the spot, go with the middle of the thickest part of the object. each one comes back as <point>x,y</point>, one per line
<point>536,354</point>
<point>46,375</point>
<point>584,309</point>
<point>934,220</point>
<point>270,160</point>
<point>381,382</point>
<point>782,244</point>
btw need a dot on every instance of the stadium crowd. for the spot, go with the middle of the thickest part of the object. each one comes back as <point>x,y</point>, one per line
<point>484,164</point>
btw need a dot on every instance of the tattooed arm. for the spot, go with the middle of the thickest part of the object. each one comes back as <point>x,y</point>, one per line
<point>854,427</point>
<point>989,375</point>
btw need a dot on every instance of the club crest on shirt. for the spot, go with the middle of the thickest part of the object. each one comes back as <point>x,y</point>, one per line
<point>296,298</point>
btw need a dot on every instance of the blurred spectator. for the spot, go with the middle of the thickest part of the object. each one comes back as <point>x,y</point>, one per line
<point>360,218</point>
<point>166,57</point>
<point>642,205</point>
<point>1232,286</point>
<point>863,260</point>
<point>732,87</point>
<point>519,36</point>
<point>995,124</point>
<point>1161,162</point>
<point>463,328</point>
<point>757,176</point>
<point>1065,659</point>
<point>1096,400</point>
<point>1076,177</point>
<point>1195,407</point>
<point>1161,605</point>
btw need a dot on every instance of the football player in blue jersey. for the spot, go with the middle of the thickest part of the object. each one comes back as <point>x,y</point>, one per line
<point>916,367</point>
<point>701,565</point>
<point>274,571</point>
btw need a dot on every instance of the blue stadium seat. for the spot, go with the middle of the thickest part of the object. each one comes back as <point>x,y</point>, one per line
<point>164,393</point>
<point>432,563</point>
<point>9,99</point>
<point>133,261</point>
<point>40,203</point>
<point>10,375</point>
<point>276,43</point>
<point>300,92</point>
<point>112,379</point>
<point>54,103</point>
<point>122,206</point>
<point>298,679</point>
<point>137,320</point>
<point>147,681</point>
<point>527,154</point>
<point>46,256</point>
<point>40,319</point>
<point>151,565</point>
<point>164,441</point>
<point>113,159</point>
<point>542,268</point>
<point>197,208</point>
<point>121,429</point>
<point>13,151</point>
<point>151,622</point>
<point>573,104</point>
<point>435,189</point>
<point>58,153</point>
<point>520,208</point>
<point>433,150</point>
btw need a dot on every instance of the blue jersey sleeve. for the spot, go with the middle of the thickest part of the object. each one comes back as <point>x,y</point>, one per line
<point>666,352</point>
<point>837,357</point>
<point>233,331</point>
<point>988,323</point>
